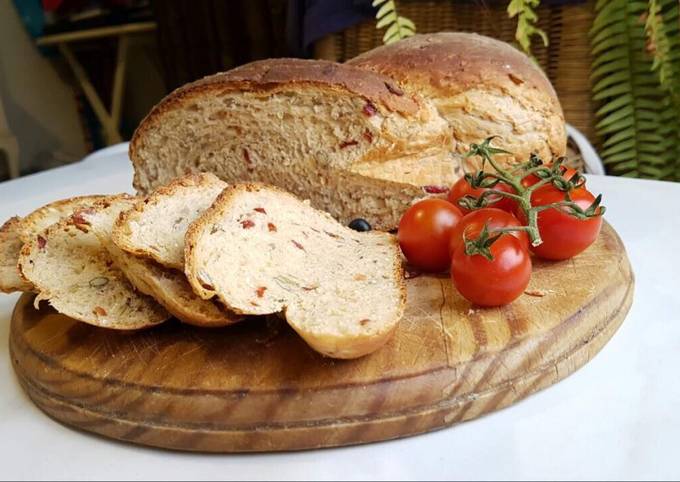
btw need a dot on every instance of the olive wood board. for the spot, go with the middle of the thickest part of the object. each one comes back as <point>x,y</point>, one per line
<point>256,386</point>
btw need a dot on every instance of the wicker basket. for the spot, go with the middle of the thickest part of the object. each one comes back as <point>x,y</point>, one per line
<point>566,60</point>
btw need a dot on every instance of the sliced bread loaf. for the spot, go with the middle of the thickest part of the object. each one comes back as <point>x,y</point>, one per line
<point>10,246</point>
<point>168,286</point>
<point>348,139</point>
<point>156,226</point>
<point>261,250</point>
<point>71,269</point>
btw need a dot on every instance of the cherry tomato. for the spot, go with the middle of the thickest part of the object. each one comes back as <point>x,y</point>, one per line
<point>564,236</point>
<point>530,180</point>
<point>462,188</point>
<point>473,223</point>
<point>424,233</point>
<point>496,282</point>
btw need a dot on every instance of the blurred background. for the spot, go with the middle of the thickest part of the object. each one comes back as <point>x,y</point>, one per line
<point>77,75</point>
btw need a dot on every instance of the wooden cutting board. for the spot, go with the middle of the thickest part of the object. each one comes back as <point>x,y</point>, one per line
<point>257,387</point>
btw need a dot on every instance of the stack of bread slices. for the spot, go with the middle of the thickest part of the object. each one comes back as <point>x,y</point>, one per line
<point>209,254</point>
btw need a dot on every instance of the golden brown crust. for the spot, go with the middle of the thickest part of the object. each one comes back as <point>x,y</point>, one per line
<point>452,62</point>
<point>272,73</point>
<point>276,74</point>
<point>482,86</point>
<point>31,223</point>
<point>120,230</point>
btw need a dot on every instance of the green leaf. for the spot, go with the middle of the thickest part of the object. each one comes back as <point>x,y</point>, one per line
<point>608,31</point>
<point>385,9</point>
<point>622,156</point>
<point>622,76</point>
<point>392,31</point>
<point>611,42</point>
<point>617,126</point>
<point>622,88</point>
<point>388,19</point>
<point>624,100</point>
<point>609,55</point>
<point>615,66</point>
<point>619,137</point>
<point>623,113</point>
<point>651,148</point>
<point>651,137</point>
<point>615,12</point>
<point>405,22</point>
<point>619,147</point>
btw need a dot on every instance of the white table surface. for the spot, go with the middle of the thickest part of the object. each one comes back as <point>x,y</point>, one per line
<point>616,418</point>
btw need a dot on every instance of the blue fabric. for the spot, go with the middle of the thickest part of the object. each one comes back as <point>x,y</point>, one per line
<point>31,14</point>
<point>311,20</point>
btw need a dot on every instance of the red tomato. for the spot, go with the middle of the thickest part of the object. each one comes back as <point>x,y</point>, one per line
<point>473,223</point>
<point>424,233</point>
<point>496,282</point>
<point>462,188</point>
<point>530,180</point>
<point>564,236</point>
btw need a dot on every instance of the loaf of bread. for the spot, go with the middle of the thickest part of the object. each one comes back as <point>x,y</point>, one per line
<point>167,286</point>
<point>482,86</point>
<point>69,267</point>
<point>351,141</point>
<point>261,250</point>
<point>17,231</point>
<point>156,226</point>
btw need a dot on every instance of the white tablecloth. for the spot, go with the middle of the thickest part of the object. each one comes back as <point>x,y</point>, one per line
<point>616,418</point>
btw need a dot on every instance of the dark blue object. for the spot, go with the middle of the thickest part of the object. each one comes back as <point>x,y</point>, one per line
<point>360,225</point>
<point>31,14</point>
<point>311,20</point>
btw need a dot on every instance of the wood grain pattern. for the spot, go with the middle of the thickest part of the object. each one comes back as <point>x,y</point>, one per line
<point>257,387</point>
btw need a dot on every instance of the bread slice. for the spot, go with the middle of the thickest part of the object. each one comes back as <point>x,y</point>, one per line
<point>17,231</point>
<point>71,269</point>
<point>10,246</point>
<point>169,287</point>
<point>45,216</point>
<point>156,226</point>
<point>261,250</point>
<point>350,140</point>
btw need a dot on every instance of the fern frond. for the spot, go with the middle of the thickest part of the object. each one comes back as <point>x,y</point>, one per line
<point>658,44</point>
<point>397,27</point>
<point>526,22</point>
<point>629,117</point>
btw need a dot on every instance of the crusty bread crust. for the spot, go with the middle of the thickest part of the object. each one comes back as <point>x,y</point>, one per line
<point>123,232</point>
<point>326,342</point>
<point>480,85</point>
<point>80,280</point>
<point>10,246</point>
<point>43,217</point>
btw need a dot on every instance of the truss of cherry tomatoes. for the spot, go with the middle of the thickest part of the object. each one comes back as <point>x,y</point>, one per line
<point>491,222</point>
